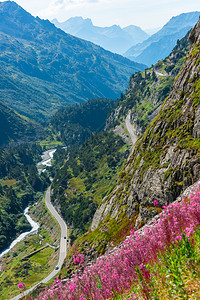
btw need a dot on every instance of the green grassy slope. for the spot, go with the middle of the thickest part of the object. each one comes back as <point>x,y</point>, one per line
<point>15,128</point>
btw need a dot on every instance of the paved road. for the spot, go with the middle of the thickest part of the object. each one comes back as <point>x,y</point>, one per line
<point>63,244</point>
<point>130,129</point>
<point>159,73</point>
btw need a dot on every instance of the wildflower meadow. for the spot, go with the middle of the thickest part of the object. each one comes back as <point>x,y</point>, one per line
<point>160,261</point>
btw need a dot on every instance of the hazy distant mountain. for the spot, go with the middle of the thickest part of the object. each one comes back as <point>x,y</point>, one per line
<point>113,38</point>
<point>137,34</point>
<point>43,68</point>
<point>159,45</point>
<point>152,31</point>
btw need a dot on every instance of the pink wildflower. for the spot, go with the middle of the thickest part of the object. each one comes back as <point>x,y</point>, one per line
<point>72,288</point>
<point>57,281</point>
<point>155,203</point>
<point>178,238</point>
<point>21,285</point>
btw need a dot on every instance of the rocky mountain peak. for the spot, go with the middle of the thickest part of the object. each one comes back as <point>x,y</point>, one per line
<point>13,10</point>
<point>195,33</point>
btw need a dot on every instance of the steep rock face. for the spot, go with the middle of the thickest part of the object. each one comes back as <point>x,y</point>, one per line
<point>148,90</point>
<point>166,159</point>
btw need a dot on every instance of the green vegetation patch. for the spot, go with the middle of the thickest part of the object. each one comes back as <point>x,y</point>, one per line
<point>20,185</point>
<point>174,276</point>
<point>109,234</point>
<point>73,124</point>
<point>22,263</point>
<point>89,173</point>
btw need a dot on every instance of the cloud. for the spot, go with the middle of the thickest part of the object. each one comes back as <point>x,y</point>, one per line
<point>67,8</point>
<point>144,13</point>
<point>73,2</point>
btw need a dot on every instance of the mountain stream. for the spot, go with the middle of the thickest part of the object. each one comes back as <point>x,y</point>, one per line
<point>46,161</point>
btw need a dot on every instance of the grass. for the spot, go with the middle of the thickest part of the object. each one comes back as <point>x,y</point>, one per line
<point>50,142</point>
<point>30,271</point>
<point>176,274</point>
<point>15,265</point>
<point>8,182</point>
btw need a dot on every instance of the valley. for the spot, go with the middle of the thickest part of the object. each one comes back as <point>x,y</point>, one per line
<point>34,229</point>
<point>49,62</point>
<point>99,160</point>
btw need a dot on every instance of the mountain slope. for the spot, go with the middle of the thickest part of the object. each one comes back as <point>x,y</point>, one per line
<point>14,128</point>
<point>115,214</point>
<point>73,124</point>
<point>20,185</point>
<point>87,175</point>
<point>147,90</point>
<point>166,159</point>
<point>42,68</point>
<point>159,45</point>
<point>113,38</point>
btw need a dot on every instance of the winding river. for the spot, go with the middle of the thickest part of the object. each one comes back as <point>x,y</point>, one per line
<point>46,161</point>
<point>35,226</point>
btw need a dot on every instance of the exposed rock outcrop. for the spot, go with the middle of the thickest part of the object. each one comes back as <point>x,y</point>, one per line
<point>166,159</point>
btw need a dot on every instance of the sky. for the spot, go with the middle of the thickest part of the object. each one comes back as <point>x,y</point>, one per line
<point>144,13</point>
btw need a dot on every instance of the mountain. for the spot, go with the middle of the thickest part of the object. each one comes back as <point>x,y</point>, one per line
<point>165,159</point>
<point>163,162</point>
<point>159,45</point>
<point>73,124</point>
<point>89,172</point>
<point>113,38</point>
<point>15,128</point>
<point>138,35</point>
<point>152,31</point>
<point>42,68</point>
<point>147,90</point>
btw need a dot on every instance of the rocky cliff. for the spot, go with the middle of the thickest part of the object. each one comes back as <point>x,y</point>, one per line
<point>148,90</point>
<point>166,158</point>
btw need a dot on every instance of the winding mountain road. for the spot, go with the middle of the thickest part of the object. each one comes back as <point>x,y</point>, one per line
<point>130,129</point>
<point>63,244</point>
<point>63,237</point>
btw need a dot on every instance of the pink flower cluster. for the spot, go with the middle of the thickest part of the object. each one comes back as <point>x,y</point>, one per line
<point>78,259</point>
<point>21,285</point>
<point>155,203</point>
<point>115,273</point>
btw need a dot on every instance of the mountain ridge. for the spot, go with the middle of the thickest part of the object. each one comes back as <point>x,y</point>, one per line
<point>42,65</point>
<point>147,90</point>
<point>160,44</point>
<point>113,38</point>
